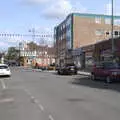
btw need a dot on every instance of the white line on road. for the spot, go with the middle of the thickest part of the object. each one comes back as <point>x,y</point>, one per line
<point>34,100</point>
<point>32,97</point>
<point>27,91</point>
<point>7,100</point>
<point>41,107</point>
<point>3,84</point>
<point>50,117</point>
<point>74,86</point>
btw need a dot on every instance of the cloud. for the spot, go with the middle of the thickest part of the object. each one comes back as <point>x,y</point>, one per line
<point>57,9</point>
<point>61,8</point>
<point>34,2</point>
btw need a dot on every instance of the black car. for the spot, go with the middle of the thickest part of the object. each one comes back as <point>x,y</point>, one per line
<point>67,69</point>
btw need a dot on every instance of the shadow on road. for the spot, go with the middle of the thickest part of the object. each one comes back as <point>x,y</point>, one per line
<point>85,81</point>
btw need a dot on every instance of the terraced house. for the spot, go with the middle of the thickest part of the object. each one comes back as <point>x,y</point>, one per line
<point>79,30</point>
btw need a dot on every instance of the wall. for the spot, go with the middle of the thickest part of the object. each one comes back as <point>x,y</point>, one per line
<point>85,31</point>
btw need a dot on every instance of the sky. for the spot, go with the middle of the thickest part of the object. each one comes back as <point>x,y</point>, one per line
<point>20,16</point>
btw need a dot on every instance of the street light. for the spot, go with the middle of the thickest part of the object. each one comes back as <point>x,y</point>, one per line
<point>112,23</point>
<point>19,53</point>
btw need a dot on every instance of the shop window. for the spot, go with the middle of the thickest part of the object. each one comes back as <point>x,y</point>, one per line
<point>99,32</point>
<point>98,20</point>
<point>117,22</point>
<point>107,21</point>
<point>116,33</point>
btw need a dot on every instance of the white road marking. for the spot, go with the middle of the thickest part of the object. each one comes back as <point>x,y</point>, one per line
<point>7,100</point>
<point>35,100</point>
<point>50,117</point>
<point>41,107</point>
<point>74,86</point>
<point>27,91</point>
<point>3,84</point>
<point>32,97</point>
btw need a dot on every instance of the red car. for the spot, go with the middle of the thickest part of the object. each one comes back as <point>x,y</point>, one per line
<point>107,71</point>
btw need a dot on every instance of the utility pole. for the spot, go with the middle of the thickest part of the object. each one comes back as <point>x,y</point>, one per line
<point>112,25</point>
<point>19,54</point>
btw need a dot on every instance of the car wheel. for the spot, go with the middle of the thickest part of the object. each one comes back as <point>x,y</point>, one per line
<point>108,79</point>
<point>75,72</point>
<point>58,72</point>
<point>93,77</point>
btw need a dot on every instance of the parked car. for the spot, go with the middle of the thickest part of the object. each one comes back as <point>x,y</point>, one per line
<point>5,70</point>
<point>107,71</point>
<point>51,67</point>
<point>67,69</point>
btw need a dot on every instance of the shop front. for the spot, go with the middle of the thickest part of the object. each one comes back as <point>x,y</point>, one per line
<point>103,50</point>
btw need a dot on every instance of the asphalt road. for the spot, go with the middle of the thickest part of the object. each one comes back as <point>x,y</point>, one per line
<point>30,95</point>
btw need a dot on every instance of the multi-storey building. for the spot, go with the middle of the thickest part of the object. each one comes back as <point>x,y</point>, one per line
<point>79,30</point>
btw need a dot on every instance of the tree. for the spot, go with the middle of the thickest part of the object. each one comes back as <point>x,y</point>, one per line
<point>32,46</point>
<point>13,54</point>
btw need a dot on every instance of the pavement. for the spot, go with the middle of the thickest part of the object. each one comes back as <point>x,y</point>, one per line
<point>80,72</point>
<point>29,95</point>
<point>84,73</point>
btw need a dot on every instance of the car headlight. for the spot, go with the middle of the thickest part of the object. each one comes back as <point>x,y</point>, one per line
<point>114,73</point>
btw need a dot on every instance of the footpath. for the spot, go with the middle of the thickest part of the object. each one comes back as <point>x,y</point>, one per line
<point>85,72</point>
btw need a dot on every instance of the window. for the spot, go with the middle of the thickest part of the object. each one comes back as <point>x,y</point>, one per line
<point>116,33</point>
<point>3,67</point>
<point>98,20</point>
<point>117,22</point>
<point>99,32</point>
<point>63,26</point>
<point>61,37</point>
<point>64,36</point>
<point>107,21</point>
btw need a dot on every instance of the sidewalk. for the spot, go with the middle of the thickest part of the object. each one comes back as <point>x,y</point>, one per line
<point>80,72</point>
<point>84,73</point>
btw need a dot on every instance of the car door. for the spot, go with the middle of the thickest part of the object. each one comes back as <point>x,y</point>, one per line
<point>100,71</point>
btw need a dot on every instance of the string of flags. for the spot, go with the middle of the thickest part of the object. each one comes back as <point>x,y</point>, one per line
<point>24,35</point>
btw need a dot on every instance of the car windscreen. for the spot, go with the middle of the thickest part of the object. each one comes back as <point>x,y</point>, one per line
<point>3,67</point>
<point>111,65</point>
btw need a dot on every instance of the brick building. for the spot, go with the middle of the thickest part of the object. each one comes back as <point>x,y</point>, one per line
<point>43,56</point>
<point>79,30</point>
<point>103,50</point>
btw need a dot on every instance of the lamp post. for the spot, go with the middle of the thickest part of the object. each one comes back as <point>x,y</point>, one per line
<point>112,24</point>
<point>19,53</point>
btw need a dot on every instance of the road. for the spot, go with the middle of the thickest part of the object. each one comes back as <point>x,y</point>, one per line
<point>30,95</point>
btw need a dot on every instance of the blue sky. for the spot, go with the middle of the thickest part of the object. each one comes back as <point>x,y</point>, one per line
<point>18,16</point>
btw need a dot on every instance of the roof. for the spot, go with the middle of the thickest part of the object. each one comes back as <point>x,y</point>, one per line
<point>89,15</point>
<point>94,15</point>
<point>103,41</point>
